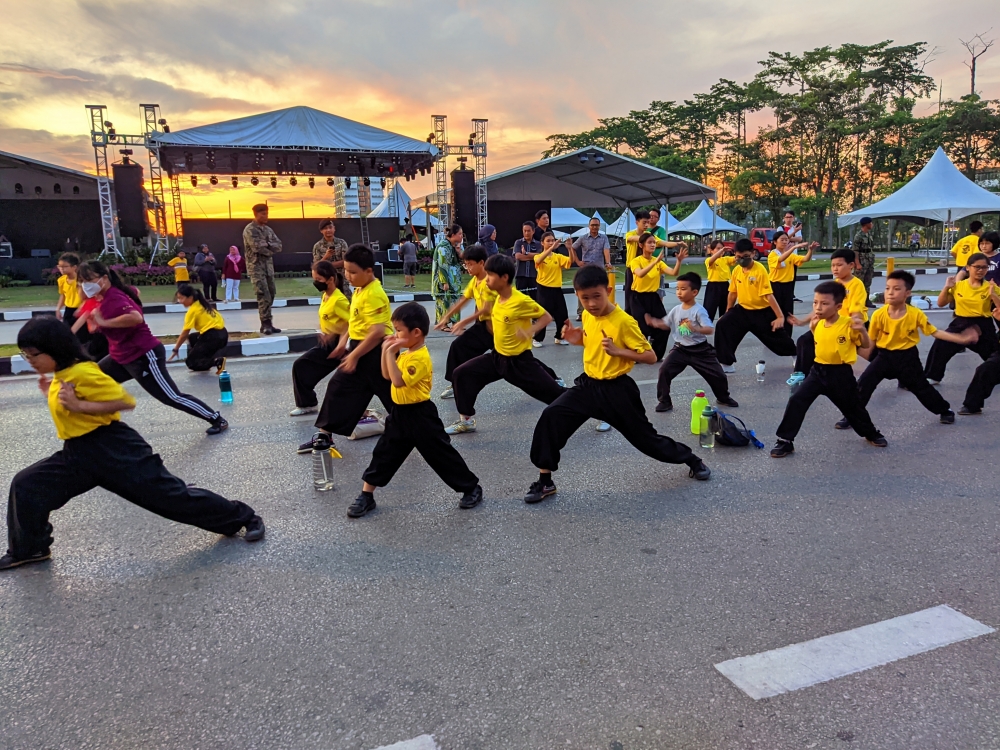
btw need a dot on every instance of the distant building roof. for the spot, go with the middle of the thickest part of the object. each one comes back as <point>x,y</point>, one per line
<point>12,161</point>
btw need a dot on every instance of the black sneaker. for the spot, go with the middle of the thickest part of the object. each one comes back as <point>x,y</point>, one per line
<point>948,417</point>
<point>8,561</point>
<point>266,329</point>
<point>219,424</point>
<point>364,503</point>
<point>540,490</point>
<point>275,330</point>
<point>254,529</point>
<point>319,442</point>
<point>843,424</point>
<point>664,405</point>
<point>727,402</point>
<point>471,499</point>
<point>965,411</point>
<point>782,448</point>
<point>878,441</point>
<point>699,471</point>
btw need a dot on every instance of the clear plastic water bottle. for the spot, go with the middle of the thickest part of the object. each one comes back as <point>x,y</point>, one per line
<point>698,404</point>
<point>322,461</point>
<point>225,388</point>
<point>760,371</point>
<point>706,434</point>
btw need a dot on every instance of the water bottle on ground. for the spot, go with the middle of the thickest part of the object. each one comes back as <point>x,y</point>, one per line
<point>322,460</point>
<point>706,433</point>
<point>225,388</point>
<point>698,404</point>
<point>760,371</point>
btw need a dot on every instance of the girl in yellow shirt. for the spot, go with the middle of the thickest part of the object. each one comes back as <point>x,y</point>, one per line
<point>549,266</point>
<point>646,271</point>
<point>204,328</point>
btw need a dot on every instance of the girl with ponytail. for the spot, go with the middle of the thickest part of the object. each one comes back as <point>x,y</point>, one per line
<point>209,335</point>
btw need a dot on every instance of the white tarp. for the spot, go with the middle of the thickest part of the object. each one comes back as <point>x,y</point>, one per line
<point>700,223</point>
<point>938,189</point>
<point>568,218</point>
<point>398,196</point>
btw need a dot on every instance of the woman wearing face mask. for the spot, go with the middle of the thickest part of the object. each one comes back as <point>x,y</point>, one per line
<point>133,351</point>
<point>318,362</point>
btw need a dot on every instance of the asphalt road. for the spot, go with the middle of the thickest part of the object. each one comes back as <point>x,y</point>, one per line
<point>593,620</point>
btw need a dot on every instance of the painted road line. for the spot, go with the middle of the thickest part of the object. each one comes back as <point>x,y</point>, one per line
<point>423,742</point>
<point>800,665</point>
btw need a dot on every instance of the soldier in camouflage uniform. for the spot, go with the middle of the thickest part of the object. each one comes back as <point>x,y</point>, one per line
<point>332,248</point>
<point>259,245</point>
<point>864,246</point>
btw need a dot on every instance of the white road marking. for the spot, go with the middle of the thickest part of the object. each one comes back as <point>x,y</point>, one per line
<point>800,665</point>
<point>423,742</point>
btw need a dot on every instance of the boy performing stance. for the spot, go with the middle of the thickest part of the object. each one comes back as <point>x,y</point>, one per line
<point>691,326</point>
<point>750,308</point>
<point>647,269</point>
<point>359,375</point>
<point>612,344</point>
<point>838,338</point>
<point>972,308</point>
<point>781,263</point>
<point>99,451</point>
<point>718,265</point>
<point>414,422</point>
<point>895,331</point>
<point>479,336</point>
<point>511,358</point>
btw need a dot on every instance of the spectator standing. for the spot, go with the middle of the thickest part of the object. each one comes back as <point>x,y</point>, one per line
<point>331,248</point>
<point>233,268</point>
<point>446,272</point>
<point>180,266</point>
<point>593,249</point>
<point>260,243</point>
<point>411,265</point>
<point>542,223</point>
<point>488,239</point>
<point>791,228</point>
<point>208,275</point>
<point>864,261</point>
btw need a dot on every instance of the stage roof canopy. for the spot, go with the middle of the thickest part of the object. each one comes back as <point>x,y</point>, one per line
<point>937,190</point>
<point>701,223</point>
<point>595,178</point>
<point>297,140</point>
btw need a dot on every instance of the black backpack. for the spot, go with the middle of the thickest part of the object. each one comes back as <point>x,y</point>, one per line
<point>728,432</point>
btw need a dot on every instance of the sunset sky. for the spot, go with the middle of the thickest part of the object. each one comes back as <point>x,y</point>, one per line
<point>531,68</point>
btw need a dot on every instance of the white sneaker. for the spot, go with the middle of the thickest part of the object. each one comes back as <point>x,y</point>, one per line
<point>460,426</point>
<point>728,368</point>
<point>448,392</point>
<point>562,342</point>
<point>536,344</point>
<point>298,411</point>
<point>560,382</point>
<point>602,427</point>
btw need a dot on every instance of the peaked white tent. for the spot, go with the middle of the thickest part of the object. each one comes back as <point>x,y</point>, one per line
<point>703,221</point>
<point>939,192</point>
<point>624,223</point>
<point>401,200</point>
<point>568,218</point>
<point>586,230</point>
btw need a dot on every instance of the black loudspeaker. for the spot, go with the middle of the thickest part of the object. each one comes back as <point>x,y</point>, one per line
<point>463,190</point>
<point>130,201</point>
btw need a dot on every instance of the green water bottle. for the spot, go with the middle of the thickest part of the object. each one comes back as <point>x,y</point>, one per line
<point>698,405</point>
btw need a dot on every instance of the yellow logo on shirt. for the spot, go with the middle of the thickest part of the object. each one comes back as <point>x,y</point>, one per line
<point>842,339</point>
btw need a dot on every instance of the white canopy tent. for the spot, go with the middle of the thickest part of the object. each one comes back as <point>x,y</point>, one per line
<point>567,218</point>
<point>704,221</point>
<point>939,192</point>
<point>586,230</point>
<point>401,200</point>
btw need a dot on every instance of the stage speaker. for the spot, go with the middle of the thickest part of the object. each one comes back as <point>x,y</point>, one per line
<point>129,200</point>
<point>466,215</point>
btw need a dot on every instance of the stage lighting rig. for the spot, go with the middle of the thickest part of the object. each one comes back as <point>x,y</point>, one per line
<point>254,181</point>
<point>274,182</point>
<point>214,180</point>
<point>329,182</point>
<point>194,180</point>
<point>292,181</point>
<point>599,159</point>
<point>236,181</point>
<point>347,183</point>
<point>163,124</point>
<point>312,182</point>
<point>368,182</point>
<point>341,168</point>
<point>382,182</point>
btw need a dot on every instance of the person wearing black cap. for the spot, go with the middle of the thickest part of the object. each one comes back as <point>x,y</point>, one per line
<point>331,248</point>
<point>864,264</point>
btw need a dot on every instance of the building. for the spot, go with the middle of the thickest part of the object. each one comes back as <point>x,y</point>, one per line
<point>48,207</point>
<point>358,199</point>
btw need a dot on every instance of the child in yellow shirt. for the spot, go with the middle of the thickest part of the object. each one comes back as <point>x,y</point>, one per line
<point>204,329</point>
<point>549,266</point>
<point>647,269</point>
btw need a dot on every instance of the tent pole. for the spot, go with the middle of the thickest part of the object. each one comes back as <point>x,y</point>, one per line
<point>713,218</point>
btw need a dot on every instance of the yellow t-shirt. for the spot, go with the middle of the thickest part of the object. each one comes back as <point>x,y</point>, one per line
<point>369,305</point>
<point>720,271</point>
<point>969,302</point>
<point>965,247</point>
<point>631,248</point>
<point>180,266</point>
<point>70,290</point>
<point>784,272</point>
<point>621,328</point>
<point>91,385</point>
<point>751,285</point>
<point>836,344</point>
<point>899,333</point>
<point>510,316</point>
<point>856,300</point>
<point>550,269</point>
<point>197,318</point>
<point>334,312</point>
<point>418,372</point>
<point>651,281</point>
<point>479,291</point>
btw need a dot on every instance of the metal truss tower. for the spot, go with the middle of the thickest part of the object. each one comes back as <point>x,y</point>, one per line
<point>475,148</point>
<point>99,138</point>
<point>441,169</point>
<point>478,145</point>
<point>151,120</point>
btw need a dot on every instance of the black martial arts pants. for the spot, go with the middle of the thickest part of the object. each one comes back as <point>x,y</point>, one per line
<point>942,351</point>
<point>627,289</point>
<point>150,372</point>
<point>702,359</point>
<point>837,383</point>
<point>418,426</point>
<point>784,295</point>
<point>716,298</point>
<point>475,340</point>
<point>204,348</point>
<point>523,371</point>
<point>349,393</point>
<point>116,458</point>
<point>616,402</point>
<point>652,303</point>
<point>69,318</point>
<point>554,302</point>
<point>309,369</point>
<point>738,322</point>
<point>902,365</point>
<point>983,382</point>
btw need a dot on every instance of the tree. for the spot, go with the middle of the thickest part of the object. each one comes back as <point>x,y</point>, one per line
<point>976,47</point>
